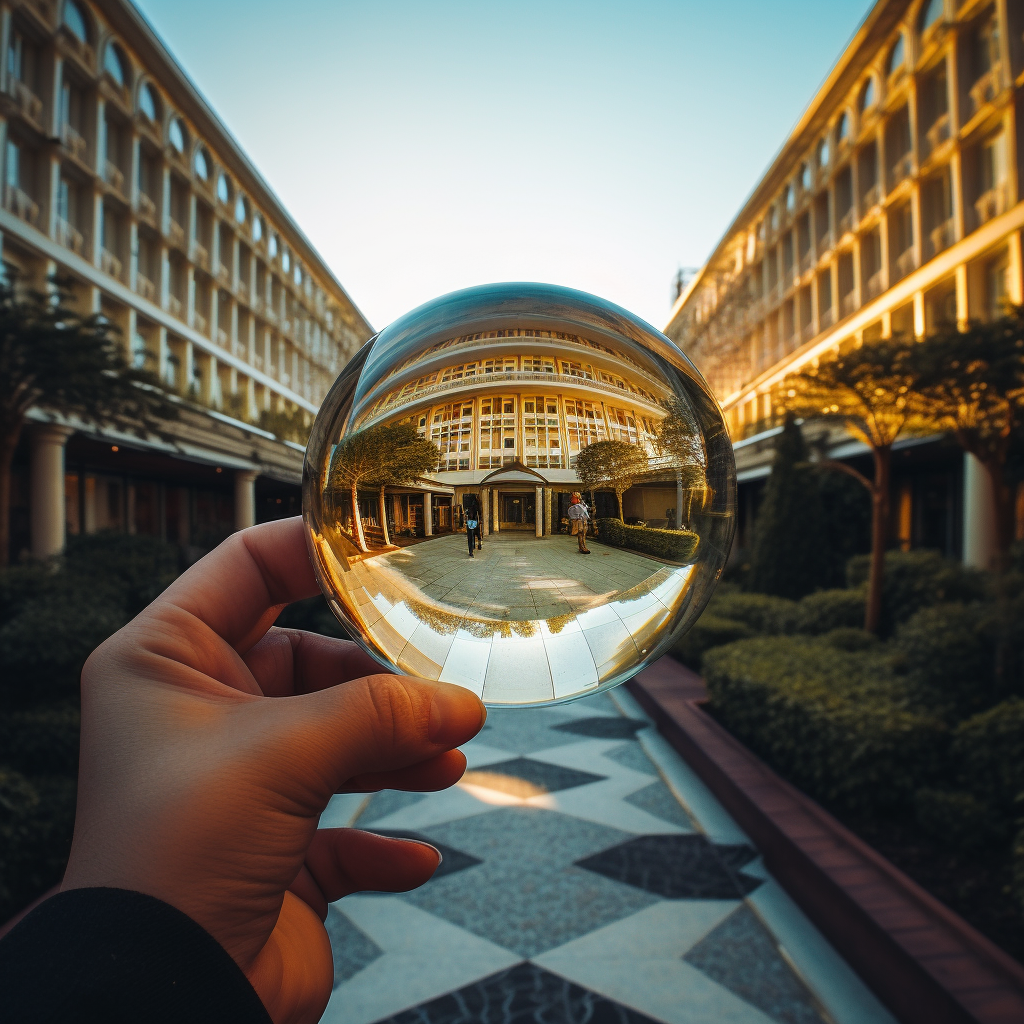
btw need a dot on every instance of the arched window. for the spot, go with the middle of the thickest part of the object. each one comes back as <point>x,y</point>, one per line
<point>896,56</point>
<point>297,276</point>
<point>931,14</point>
<point>201,165</point>
<point>806,177</point>
<point>114,64</point>
<point>257,228</point>
<point>223,188</point>
<point>272,246</point>
<point>867,95</point>
<point>774,218</point>
<point>241,209</point>
<point>824,153</point>
<point>286,261</point>
<point>74,21</point>
<point>843,128</point>
<point>790,198</point>
<point>176,135</point>
<point>148,102</point>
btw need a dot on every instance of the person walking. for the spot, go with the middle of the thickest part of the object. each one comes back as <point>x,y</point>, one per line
<point>472,526</point>
<point>579,516</point>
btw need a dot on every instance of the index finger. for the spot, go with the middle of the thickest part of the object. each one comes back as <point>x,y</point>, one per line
<point>240,587</point>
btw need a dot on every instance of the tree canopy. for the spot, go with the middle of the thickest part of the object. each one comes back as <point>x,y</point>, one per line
<point>408,457</point>
<point>615,464</point>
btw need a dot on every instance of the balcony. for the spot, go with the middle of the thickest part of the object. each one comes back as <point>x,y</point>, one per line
<point>991,203</point>
<point>826,318</point>
<point>807,261</point>
<point>21,204</point>
<point>28,104</point>
<point>146,209</point>
<point>221,337</point>
<point>285,378</point>
<point>200,255</point>
<point>875,285</point>
<point>938,133</point>
<point>258,362</point>
<point>175,306</point>
<point>240,350</point>
<point>906,262</point>
<point>242,290</point>
<point>145,287</point>
<point>200,323</point>
<point>110,264</point>
<point>224,275</point>
<point>987,88</point>
<point>114,176</point>
<point>787,279</point>
<point>176,234</point>
<point>70,237</point>
<point>941,237</point>
<point>74,142</point>
<point>848,221</point>
<point>902,169</point>
<point>82,51</point>
<point>872,197</point>
<point>848,303</point>
<point>271,314</point>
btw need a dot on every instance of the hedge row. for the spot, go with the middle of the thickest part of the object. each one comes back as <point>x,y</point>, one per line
<point>672,545</point>
<point>837,723</point>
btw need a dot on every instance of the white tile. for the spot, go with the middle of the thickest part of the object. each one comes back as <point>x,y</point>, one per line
<point>430,643</point>
<point>402,621</point>
<point>466,664</point>
<point>571,662</point>
<point>343,809</point>
<point>517,672</point>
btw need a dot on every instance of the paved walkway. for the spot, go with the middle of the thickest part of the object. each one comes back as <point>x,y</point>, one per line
<point>588,878</point>
<point>525,620</point>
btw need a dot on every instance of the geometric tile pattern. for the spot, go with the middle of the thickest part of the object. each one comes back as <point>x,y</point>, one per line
<point>576,886</point>
<point>686,867</point>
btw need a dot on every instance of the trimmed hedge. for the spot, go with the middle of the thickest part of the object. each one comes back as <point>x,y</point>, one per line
<point>825,610</point>
<point>763,613</point>
<point>708,631</point>
<point>672,545</point>
<point>836,723</point>
<point>988,751</point>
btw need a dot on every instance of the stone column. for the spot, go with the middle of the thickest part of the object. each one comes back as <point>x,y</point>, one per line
<point>679,500</point>
<point>46,494</point>
<point>245,498</point>
<point>979,515</point>
<point>495,511</point>
<point>538,512</point>
<point>428,516</point>
<point>547,511</point>
<point>485,511</point>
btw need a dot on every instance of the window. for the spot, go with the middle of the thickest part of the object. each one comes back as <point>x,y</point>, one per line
<point>272,246</point>
<point>497,430</point>
<point>823,153</point>
<point>13,165</point>
<point>297,273</point>
<point>241,210</point>
<point>148,102</point>
<point>773,218</point>
<point>541,440</point>
<point>286,261</point>
<point>538,364</point>
<point>584,423</point>
<point>114,64</point>
<point>896,56</point>
<point>931,14</point>
<point>201,165</point>
<point>257,228</point>
<point>223,188</point>
<point>176,135</point>
<point>843,127</point>
<point>451,430</point>
<point>867,95</point>
<point>996,297</point>
<point>790,198</point>
<point>74,21</point>
<point>622,426</point>
<point>806,177</point>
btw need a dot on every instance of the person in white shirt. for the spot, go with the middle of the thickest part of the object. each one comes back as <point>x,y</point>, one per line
<point>579,516</point>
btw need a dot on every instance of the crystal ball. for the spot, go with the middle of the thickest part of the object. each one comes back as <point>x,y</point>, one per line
<point>522,489</point>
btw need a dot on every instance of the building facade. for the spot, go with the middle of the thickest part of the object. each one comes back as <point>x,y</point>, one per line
<point>893,207</point>
<point>118,176</point>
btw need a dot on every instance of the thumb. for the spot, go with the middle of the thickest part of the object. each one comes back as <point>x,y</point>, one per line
<point>380,723</point>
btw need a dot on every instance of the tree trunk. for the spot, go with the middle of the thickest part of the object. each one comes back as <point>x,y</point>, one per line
<point>679,500</point>
<point>618,498</point>
<point>879,536</point>
<point>357,523</point>
<point>384,518</point>
<point>8,443</point>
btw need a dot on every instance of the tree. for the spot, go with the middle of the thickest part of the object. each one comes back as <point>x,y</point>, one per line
<point>618,464</point>
<point>870,390</point>
<point>971,382</point>
<point>679,440</point>
<point>409,456</point>
<point>54,358</point>
<point>790,540</point>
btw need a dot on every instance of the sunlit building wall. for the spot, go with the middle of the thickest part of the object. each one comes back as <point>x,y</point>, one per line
<point>118,175</point>
<point>894,206</point>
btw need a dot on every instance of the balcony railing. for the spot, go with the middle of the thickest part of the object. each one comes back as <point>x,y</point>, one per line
<point>938,133</point>
<point>991,203</point>
<point>145,287</point>
<point>787,279</point>
<point>200,255</point>
<point>176,234</point>
<point>824,243</point>
<point>175,306</point>
<point>257,361</point>
<point>906,262</point>
<point>21,204</point>
<point>988,87</point>
<point>74,142</point>
<point>82,50</point>
<point>875,284</point>
<point>146,208</point>
<point>847,221</point>
<point>872,196</point>
<point>27,102</point>
<point>848,303</point>
<point>113,176</point>
<point>901,169</point>
<point>70,237</point>
<point>271,314</point>
<point>110,264</point>
<point>941,237</point>
<point>200,323</point>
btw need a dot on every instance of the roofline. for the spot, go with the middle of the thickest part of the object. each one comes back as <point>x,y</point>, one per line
<point>139,34</point>
<point>879,21</point>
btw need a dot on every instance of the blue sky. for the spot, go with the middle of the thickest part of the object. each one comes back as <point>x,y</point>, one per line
<point>428,145</point>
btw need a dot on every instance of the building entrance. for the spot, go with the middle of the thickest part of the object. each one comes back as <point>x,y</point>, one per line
<point>518,511</point>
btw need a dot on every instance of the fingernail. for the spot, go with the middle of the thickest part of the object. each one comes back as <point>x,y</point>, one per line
<point>456,715</point>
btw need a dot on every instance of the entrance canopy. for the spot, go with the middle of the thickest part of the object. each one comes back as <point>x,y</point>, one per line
<point>514,473</point>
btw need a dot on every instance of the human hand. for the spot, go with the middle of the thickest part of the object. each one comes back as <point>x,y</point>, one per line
<point>211,743</point>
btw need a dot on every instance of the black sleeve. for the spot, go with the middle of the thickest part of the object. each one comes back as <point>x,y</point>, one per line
<point>112,956</point>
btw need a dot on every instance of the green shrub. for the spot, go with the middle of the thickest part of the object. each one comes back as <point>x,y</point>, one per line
<point>42,740</point>
<point>988,751</point>
<point>915,580</point>
<point>707,632</point>
<point>826,610</point>
<point>672,545</point>
<point>848,638</point>
<point>948,653</point>
<point>958,819</point>
<point>837,724</point>
<point>763,613</point>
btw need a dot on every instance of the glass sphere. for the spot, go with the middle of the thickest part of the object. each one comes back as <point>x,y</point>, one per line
<point>521,489</point>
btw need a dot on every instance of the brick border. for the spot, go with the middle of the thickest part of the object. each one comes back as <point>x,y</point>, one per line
<point>922,960</point>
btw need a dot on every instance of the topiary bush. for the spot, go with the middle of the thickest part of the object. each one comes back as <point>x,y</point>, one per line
<point>849,639</point>
<point>707,632</point>
<point>672,545</point>
<point>988,754</point>
<point>837,724</point>
<point>825,610</point>
<point>763,613</point>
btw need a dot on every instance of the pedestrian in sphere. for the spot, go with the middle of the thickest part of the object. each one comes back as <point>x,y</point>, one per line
<point>472,526</point>
<point>579,516</point>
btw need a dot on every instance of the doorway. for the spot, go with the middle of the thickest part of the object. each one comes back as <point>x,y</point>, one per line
<point>518,511</point>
